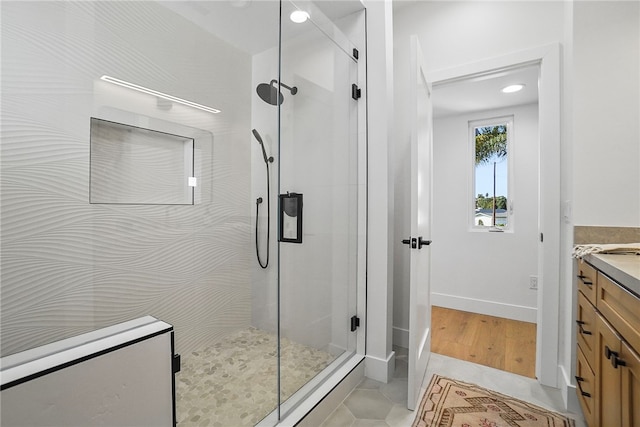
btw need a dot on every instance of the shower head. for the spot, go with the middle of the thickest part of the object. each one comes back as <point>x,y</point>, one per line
<point>270,94</point>
<point>267,160</point>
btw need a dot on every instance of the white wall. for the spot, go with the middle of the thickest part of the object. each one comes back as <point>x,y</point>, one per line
<point>599,67</point>
<point>606,114</point>
<point>452,34</point>
<point>380,362</point>
<point>69,267</point>
<point>478,271</point>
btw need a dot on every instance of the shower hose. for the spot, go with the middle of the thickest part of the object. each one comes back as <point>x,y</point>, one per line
<point>258,202</point>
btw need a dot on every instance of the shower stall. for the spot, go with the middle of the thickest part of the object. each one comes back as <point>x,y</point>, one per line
<point>201,162</point>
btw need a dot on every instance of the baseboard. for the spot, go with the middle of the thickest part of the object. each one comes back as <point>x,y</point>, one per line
<point>401,337</point>
<point>568,391</point>
<point>489,308</point>
<point>380,369</point>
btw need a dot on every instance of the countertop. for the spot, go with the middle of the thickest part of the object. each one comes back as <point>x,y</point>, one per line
<point>624,269</point>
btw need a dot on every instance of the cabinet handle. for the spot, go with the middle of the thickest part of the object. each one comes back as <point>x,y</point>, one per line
<point>582,330</point>
<point>613,356</point>
<point>582,392</point>
<point>616,361</point>
<point>608,352</point>
<point>583,279</point>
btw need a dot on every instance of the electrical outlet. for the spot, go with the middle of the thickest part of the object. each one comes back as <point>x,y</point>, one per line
<point>533,282</point>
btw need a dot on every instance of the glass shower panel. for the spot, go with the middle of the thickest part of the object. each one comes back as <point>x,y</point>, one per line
<point>318,169</point>
<point>154,69</point>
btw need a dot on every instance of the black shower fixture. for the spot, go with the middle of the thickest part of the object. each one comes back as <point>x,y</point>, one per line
<point>270,93</point>
<point>267,160</point>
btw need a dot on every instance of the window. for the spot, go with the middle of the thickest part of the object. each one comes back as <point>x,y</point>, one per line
<point>491,145</point>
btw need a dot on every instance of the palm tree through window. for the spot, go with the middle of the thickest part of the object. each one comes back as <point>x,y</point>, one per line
<point>491,142</point>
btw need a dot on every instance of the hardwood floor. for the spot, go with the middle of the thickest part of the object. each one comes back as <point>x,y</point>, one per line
<point>505,344</point>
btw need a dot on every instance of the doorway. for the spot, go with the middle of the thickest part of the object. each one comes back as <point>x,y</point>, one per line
<point>465,276</point>
<point>486,184</point>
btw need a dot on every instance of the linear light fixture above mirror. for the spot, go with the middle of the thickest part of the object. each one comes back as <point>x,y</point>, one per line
<point>158,94</point>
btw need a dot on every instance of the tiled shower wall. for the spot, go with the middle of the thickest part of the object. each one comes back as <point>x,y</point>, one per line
<point>69,266</point>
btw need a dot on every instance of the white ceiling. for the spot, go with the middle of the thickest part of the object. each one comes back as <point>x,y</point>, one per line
<point>251,25</point>
<point>484,92</point>
<point>336,9</point>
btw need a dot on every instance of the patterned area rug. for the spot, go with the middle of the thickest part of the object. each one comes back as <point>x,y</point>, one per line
<point>450,402</point>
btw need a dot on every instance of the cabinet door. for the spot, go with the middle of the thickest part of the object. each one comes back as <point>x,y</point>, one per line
<point>585,388</point>
<point>586,320</point>
<point>608,377</point>
<point>630,387</point>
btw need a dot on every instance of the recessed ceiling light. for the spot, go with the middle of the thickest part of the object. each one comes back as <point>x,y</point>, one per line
<point>299,16</point>
<point>513,88</point>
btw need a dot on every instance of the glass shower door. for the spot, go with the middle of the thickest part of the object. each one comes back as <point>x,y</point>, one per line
<point>318,193</point>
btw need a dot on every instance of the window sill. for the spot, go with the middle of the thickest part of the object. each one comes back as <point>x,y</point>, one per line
<point>492,230</point>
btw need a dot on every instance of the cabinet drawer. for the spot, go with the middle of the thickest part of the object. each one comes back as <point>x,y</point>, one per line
<point>586,386</point>
<point>586,277</point>
<point>621,308</point>
<point>586,323</point>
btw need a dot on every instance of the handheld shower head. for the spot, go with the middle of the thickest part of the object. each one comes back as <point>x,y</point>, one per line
<point>267,160</point>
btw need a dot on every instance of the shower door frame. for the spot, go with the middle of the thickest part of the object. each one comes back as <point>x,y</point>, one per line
<point>303,401</point>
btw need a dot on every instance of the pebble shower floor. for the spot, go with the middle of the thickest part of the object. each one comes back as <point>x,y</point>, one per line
<point>233,383</point>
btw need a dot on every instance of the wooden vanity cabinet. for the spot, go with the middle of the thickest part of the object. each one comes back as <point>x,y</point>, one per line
<point>586,385</point>
<point>608,365</point>
<point>586,278</point>
<point>586,321</point>
<point>608,378</point>
<point>630,387</point>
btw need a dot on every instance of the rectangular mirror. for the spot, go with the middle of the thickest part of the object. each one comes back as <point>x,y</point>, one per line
<point>133,165</point>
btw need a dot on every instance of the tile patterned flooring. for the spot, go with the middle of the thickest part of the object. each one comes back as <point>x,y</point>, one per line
<point>375,404</point>
<point>233,383</point>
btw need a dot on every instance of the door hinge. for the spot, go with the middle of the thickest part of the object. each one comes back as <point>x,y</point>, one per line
<point>541,237</point>
<point>355,92</point>
<point>356,54</point>
<point>355,322</point>
<point>175,364</point>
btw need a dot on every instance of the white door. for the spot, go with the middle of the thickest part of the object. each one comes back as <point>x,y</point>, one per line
<point>421,122</point>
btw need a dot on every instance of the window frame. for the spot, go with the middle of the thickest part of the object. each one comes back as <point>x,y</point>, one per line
<point>508,121</point>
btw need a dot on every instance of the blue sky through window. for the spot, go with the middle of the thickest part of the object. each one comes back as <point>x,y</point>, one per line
<point>484,177</point>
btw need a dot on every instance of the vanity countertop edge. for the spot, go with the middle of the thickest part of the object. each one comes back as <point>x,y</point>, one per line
<point>624,269</point>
